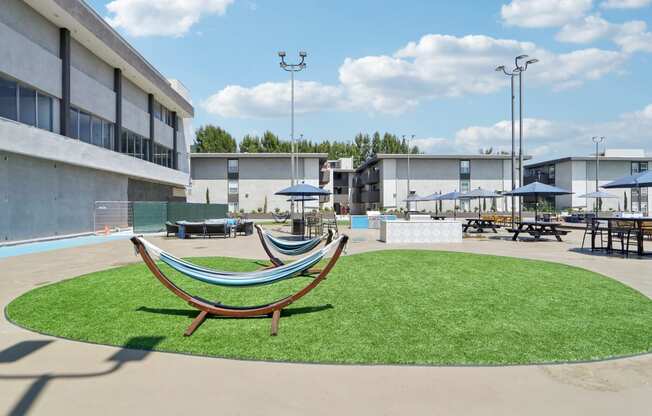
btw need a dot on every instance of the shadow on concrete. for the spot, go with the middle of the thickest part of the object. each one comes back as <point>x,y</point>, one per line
<point>21,350</point>
<point>192,313</point>
<point>614,253</point>
<point>128,353</point>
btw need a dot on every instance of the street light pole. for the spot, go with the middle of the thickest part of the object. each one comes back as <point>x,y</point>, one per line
<point>520,69</point>
<point>513,98</point>
<point>292,68</point>
<point>597,140</point>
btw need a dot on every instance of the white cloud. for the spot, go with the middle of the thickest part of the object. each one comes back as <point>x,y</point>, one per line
<point>161,17</point>
<point>548,139</point>
<point>273,99</point>
<point>436,66</point>
<point>543,13</point>
<point>634,37</point>
<point>625,4</point>
<point>589,29</point>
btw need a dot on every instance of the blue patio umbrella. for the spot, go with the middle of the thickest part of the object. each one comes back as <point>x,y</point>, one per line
<point>480,193</point>
<point>597,195</point>
<point>303,190</point>
<point>451,196</point>
<point>640,180</point>
<point>535,189</point>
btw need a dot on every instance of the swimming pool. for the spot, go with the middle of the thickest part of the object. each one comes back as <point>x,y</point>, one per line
<point>37,247</point>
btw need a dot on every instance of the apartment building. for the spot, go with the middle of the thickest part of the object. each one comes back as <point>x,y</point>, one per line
<point>578,173</point>
<point>248,181</point>
<point>337,177</point>
<point>83,118</point>
<point>382,182</point>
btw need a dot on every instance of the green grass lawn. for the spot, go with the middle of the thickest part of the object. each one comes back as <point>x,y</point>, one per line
<point>403,307</point>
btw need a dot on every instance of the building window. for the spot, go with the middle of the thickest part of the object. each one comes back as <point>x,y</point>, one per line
<point>551,174</point>
<point>233,166</point>
<point>96,131</point>
<point>27,106</point>
<point>465,167</point>
<point>107,135</point>
<point>8,99</point>
<point>465,185</point>
<point>84,127</point>
<point>638,167</point>
<point>233,207</point>
<point>233,186</point>
<point>74,123</point>
<point>639,194</point>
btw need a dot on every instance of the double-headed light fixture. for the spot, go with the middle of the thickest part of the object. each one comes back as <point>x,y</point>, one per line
<point>519,68</point>
<point>292,68</point>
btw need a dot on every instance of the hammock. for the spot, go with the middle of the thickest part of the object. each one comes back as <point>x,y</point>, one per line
<point>281,219</point>
<point>288,247</point>
<point>222,278</point>
<point>150,252</point>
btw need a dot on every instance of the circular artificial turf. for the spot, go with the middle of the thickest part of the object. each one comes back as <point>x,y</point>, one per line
<point>389,307</point>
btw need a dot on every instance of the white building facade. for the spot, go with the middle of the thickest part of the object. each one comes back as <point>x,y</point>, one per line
<point>577,174</point>
<point>382,182</point>
<point>247,182</point>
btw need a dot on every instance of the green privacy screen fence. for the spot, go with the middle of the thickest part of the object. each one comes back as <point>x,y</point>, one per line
<point>150,217</point>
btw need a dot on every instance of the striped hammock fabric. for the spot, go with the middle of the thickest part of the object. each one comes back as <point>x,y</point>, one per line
<point>291,247</point>
<point>222,278</point>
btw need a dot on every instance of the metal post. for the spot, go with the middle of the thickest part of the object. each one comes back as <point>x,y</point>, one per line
<point>511,77</point>
<point>597,141</point>
<point>292,68</point>
<point>520,141</point>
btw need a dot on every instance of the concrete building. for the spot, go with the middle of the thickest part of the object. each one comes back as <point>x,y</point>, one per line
<point>337,177</point>
<point>577,174</point>
<point>247,181</point>
<point>382,182</point>
<point>83,118</point>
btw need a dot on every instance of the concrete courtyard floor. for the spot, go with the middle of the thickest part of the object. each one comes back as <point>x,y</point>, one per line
<point>46,375</point>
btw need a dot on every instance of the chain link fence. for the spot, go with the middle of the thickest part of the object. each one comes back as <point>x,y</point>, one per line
<point>112,216</point>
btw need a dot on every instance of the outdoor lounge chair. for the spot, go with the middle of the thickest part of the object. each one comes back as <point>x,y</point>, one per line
<point>171,228</point>
<point>149,253</point>
<point>190,228</point>
<point>288,247</point>
<point>217,228</point>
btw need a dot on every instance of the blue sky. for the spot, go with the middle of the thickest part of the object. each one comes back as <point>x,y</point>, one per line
<point>415,67</point>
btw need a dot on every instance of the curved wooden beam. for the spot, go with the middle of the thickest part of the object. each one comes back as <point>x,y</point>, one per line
<point>215,308</point>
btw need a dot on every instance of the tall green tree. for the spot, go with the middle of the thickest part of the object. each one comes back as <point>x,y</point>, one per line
<point>214,139</point>
<point>250,144</point>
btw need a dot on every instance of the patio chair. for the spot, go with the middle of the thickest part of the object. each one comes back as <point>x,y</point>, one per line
<point>624,231</point>
<point>314,225</point>
<point>150,253</point>
<point>329,221</point>
<point>171,228</point>
<point>597,228</point>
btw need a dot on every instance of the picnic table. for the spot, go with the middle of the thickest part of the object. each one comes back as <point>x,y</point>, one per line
<point>537,229</point>
<point>639,224</point>
<point>480,224</point>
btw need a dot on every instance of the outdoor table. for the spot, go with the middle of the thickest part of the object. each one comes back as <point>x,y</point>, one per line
<point>638,222</point>
<point>480,224</point>
<point>537,229</point>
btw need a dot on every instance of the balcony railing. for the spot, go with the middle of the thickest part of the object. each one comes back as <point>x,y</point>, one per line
<point>370,196</point>
<point>358,182</point>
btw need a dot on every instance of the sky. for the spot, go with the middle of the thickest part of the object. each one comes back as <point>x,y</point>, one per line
<point>422,68</point>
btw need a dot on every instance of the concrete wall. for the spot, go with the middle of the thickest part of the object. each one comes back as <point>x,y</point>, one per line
<point>23,19</point>
<point>135,119</point>
<point>135,95</point>
<point>163,134</point>
<point>33,142</point>
<point>44,198</point>
<point>91,96</point>
<point>28,62</point>
<point>428,176</point>
<point>259,178</point>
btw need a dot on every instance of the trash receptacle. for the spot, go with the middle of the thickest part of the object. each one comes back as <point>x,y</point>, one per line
<point>298,226</point>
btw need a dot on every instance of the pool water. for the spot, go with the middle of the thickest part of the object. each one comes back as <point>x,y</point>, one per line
<point>38,247</point>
